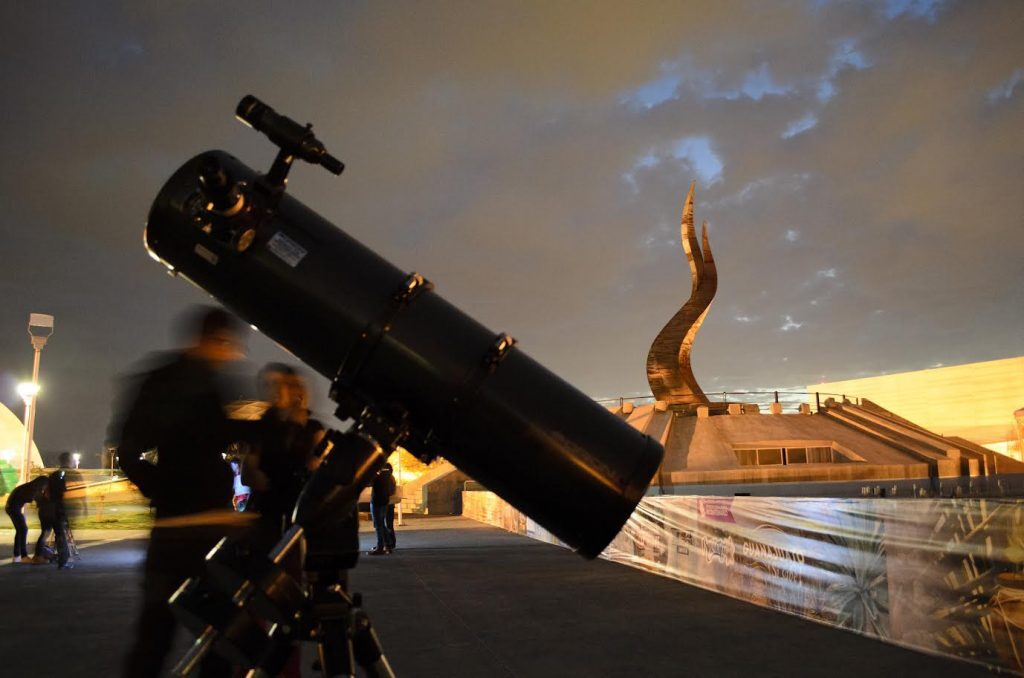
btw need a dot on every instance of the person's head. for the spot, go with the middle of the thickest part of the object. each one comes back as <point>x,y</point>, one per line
<point>278,385</point>
<point>64,460</point>
<point>386,469</point>
<point>301,392</point>
<point>39,483</point>
<point>217,336</point>
<point>297,397</point>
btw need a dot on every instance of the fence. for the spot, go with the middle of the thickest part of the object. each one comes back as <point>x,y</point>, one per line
<point>790,399</point>
<point>944,576</point>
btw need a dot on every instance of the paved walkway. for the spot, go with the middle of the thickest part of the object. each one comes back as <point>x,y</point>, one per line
<point>461,599</point>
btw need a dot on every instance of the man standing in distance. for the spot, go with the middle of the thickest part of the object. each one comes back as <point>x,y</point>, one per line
<point>382,510</point>
<point>176,412</point>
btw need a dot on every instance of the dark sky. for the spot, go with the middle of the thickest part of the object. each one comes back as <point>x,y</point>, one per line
<point>859,164</point>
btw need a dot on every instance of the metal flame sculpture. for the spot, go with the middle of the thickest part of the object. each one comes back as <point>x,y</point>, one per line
<point>668,362</point>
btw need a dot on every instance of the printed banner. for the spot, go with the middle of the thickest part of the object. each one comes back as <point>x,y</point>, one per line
<point>940,575</point>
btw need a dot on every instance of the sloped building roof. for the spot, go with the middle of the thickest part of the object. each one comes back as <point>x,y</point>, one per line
<point>840,442</point>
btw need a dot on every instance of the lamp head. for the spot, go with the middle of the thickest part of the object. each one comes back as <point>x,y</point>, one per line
<point>28,390</point>
<point>40,324</point>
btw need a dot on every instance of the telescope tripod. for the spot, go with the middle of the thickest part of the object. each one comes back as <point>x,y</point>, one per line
<point>250,610</point>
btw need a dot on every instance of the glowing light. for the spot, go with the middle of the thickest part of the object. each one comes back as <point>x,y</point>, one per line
<point>27,390</point>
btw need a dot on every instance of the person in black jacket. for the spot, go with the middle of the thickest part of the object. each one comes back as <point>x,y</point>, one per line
<point>383,511</point>
<point>279,463</point>
<point>282,449</point>
<point>47,524</point>
<point>21,495</point>
<point>56,512</point>
<point>176,417</point>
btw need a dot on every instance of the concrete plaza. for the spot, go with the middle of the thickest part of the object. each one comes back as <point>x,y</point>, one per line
<point>462,599</point>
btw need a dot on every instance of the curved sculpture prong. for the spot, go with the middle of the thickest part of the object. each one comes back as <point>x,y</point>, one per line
<point>668,363</point>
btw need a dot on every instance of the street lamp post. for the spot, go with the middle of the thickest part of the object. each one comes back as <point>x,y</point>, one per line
<point>28,392</point>
<point>399,460</point>
<point>40,328</point>
<point>112,454</point>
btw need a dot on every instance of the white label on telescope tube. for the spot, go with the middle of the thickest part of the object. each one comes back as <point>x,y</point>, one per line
<point>207,254</point>
<point>286,249</point>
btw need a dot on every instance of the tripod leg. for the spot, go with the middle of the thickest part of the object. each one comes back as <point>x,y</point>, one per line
<point>334,649</point>
<point>72,546</point>
<point>366,645</point>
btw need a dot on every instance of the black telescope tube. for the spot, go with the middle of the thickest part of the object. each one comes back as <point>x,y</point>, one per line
<point>504,419</point>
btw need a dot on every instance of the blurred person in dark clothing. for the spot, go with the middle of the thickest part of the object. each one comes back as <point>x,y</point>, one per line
<point>280,461</point>
<point>57,510</point>
<point>176,411</point>
<point>74,503</point>
<point>382,510</point>
<point>47,523</point>
<point>282,451</point>
<point>15,507</point>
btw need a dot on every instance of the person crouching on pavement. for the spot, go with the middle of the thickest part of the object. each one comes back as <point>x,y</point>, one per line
<point>21,495</point>
<point>383,511</point>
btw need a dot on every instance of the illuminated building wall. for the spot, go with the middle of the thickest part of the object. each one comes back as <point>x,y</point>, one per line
<point>12,444</point>
<point>974,401</point>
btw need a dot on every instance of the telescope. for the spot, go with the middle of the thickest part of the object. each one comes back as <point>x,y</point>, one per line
<point>407,366</point>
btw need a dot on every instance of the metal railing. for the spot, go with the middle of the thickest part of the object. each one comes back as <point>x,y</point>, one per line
<point>789,399</point>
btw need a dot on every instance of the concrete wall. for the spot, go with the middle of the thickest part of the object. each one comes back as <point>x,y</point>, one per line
<point>975,401</point>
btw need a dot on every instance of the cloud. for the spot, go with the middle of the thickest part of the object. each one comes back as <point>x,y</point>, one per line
<point>1006,89</point>
<point>657,91</point>
<point>699,153</point>
<point>761,187</point>
<point>800,125</point>
<point>845,56</point>
<point>759,83</point>
<point>788,324</point>
<point>926,9</point>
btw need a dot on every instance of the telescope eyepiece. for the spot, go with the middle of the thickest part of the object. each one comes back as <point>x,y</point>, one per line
<point>250,110</point>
